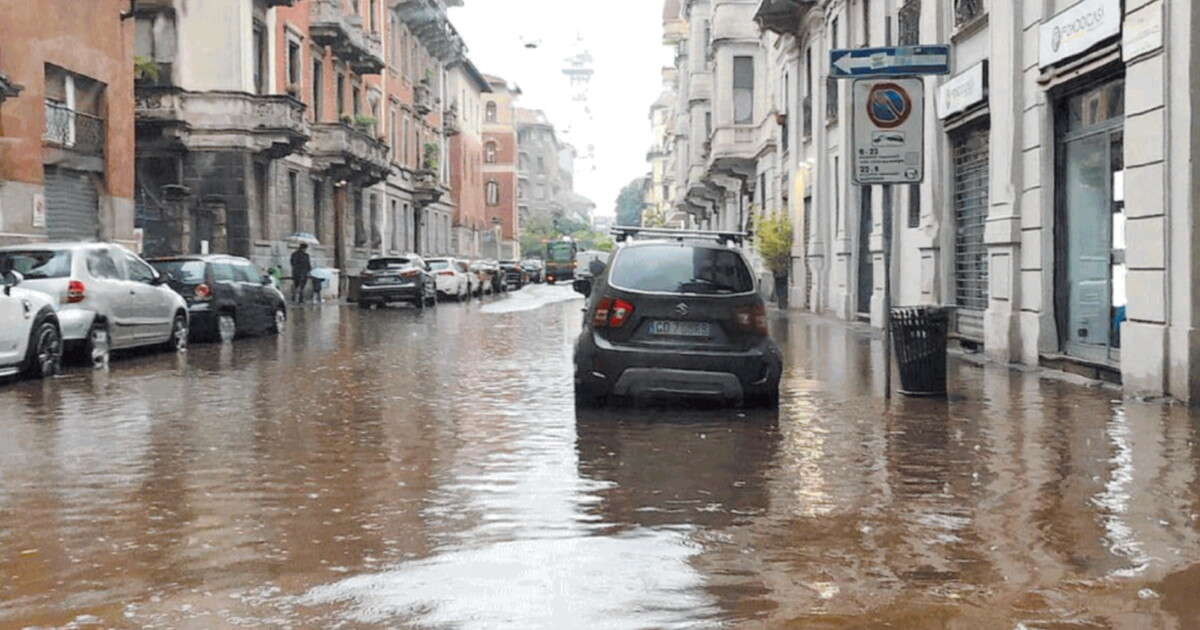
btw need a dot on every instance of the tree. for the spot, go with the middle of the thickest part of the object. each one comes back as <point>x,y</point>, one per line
<point>630,202</point>
<point>773,240</point>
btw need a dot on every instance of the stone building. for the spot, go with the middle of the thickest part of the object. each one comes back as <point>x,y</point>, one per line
<point>330,124</point>
<point>66,122</point>
<point>1022,222</point>
<point>500,171</point>
<point>464,123</point>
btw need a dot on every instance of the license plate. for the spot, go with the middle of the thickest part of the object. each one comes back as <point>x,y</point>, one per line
<point>681,329</point>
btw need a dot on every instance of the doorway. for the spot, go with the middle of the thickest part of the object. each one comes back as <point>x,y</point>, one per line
<point>1090,292</point>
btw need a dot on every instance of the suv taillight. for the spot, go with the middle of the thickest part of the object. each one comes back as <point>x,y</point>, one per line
<point>752,318</point>
<point>75,292</point>
<point>611,313</point>
<point>202,292</point>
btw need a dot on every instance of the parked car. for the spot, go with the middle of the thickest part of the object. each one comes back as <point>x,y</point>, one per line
<point>450,277</point>
<point>397,279</point>
<point>678,318</point>
<point>105,296</point>
<point>513,275</point>
<point>534,270</point>
<point>488,277</point>
<point>30,339</point>
<point>227,296</point>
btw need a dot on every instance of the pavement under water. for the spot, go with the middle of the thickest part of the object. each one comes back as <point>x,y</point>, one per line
<point>389,468</point>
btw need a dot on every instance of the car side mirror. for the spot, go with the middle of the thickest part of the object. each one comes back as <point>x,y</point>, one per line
<point>582,285</point>
<point>12,279</point>
<point>158,280</point>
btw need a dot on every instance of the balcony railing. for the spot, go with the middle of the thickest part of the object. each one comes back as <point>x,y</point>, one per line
<point>80,132</point>
<point>831,99</point>
<point>965,11</point>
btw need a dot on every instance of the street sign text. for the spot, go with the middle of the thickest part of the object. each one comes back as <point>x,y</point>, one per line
<point>889,131</point>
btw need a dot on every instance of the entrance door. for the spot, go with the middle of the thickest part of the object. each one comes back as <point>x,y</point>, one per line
<point>969,149</point>
<point>866,262</point>
<point>1091,234</point>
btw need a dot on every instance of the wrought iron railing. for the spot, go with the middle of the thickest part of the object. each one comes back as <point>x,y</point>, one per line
<point>910,23</point>
<point>965,11</point>
<point>74,130</point>
<point>831,99</point>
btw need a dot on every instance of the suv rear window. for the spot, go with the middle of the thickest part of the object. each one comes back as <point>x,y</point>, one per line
<point>681,269</point>
<point>37,265</point>
<point>388,263</point>
<point>183,271</point>
<point>439,264</point>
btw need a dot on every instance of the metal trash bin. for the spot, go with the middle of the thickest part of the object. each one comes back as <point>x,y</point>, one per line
<point>919,338</point>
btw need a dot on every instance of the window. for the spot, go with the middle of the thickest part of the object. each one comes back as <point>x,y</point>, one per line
<point>522,188</point>
<point>294,199</point>
<point>783,127</point>
<point>492,193</point>
<point>681,269</point>
<point>182,271</point>
<point>260,58</point>
<point>376,236</point>
<point>833,33</point>
<point>223,272</point>
<point>264,208</point>
<point>541,164</point>
<point>914,205</point>
<point>404,140</point>
<point>743,90</point>
<point>393,126</point>
<point>372,17</point>
<point>490,112</point>
<point>489,153</point>
<point>910,23</point>
<point>393,41</point>
<point>37,264</point>
<point>318,192</point>
<point>707,125</point>
<point>101,265</point>
<point>356,94</point>
<point>541,191</point>
<point>245,272</point>
<point>395,217</point>
<point>318,84</point>
<point>341,95</point>
<point>866,22</point>
<point>137,270</point>
<point>293,67</point>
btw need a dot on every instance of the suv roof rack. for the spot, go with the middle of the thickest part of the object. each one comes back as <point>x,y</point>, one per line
<point>621,233</point>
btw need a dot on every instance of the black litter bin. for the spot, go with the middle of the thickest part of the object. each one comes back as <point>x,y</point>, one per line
<point>919,337</point>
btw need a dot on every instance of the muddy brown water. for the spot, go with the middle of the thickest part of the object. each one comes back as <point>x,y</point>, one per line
<point>393,469</point>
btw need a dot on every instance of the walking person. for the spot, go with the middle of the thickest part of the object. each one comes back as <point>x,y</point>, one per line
<point>301,267</point>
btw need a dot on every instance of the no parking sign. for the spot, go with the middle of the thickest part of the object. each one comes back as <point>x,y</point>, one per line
<point>889,131</point>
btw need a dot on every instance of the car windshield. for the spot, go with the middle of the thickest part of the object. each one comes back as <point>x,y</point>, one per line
<point>439,264</point>
<point>37,265</point>
<point>388,263</point>
<point>185,271</point>
<point>681,269</point>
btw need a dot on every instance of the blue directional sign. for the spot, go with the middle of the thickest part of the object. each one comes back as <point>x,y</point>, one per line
<point>853,63</point>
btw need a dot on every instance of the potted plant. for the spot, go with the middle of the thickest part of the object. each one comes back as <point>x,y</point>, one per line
<point>364,123</point>
<point>431,157</point>
<point>773,240</point>
<point>145,70</point>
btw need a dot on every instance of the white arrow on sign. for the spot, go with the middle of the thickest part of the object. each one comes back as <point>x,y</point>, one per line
<point>893,61</point>
<point>849,63</point>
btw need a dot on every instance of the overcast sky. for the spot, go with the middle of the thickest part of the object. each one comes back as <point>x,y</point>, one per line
<point>625,40</point>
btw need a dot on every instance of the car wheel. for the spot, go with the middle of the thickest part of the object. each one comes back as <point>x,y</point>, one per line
<point>226,327</point>
<point>279,323</point>
<point>178,341</point>
<point>44,358</point>
<point>96,348</point>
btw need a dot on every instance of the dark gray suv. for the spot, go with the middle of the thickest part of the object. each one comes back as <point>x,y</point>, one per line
<point>676,317</point>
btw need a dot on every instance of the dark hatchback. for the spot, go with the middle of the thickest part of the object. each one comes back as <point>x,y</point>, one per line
<point>397,279</point>
<point>677,318</point>
<point>513,274</point>
<point>227,296</point>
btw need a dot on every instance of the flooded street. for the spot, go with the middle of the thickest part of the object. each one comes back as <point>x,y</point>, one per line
<point>389,468</point>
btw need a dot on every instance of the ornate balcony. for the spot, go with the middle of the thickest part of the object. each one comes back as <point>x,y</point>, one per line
<point>735,150</point>
<point>782,16</point>
<point>348,154</point>
<point>330,26</point>
<point>451,125</point>
<point>270,124</point>
<point>427,20</point>
<point>426,188</point>
<point>422,98</point>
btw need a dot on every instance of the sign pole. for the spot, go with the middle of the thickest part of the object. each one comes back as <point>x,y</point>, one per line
<point>887,302</point>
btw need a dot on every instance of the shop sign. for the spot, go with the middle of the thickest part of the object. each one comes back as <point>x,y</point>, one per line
<point>1077,29</point>
<point>962,91</point>
<point>889,131</point>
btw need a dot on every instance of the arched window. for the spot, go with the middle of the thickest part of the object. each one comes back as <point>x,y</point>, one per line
<point>490,113</point>
<point>492,193</point>
<point>489,153</point>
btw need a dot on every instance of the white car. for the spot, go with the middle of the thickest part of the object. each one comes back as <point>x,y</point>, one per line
<point>105,296</point>
<point>30,339</point>
<point>450,276</point>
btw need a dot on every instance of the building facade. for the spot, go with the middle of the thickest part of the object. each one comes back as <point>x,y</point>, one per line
<point>500,170</point>
<point>464,123</point>
<point>1022,222</point>
<point>66,122</point>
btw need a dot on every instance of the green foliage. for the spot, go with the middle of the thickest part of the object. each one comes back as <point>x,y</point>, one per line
<point>773,240</point>
<point>654,217</point>
<point>431,156</point>
<point>630,202</point>
<point>536,232</point>
<point>145,69</point>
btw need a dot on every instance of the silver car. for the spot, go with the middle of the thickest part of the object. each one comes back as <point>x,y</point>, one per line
<point>30,340</point>
<point>106,297</point>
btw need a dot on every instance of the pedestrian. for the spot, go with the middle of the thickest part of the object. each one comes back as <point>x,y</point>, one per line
<point>318,276</point>
<point>301,268</point>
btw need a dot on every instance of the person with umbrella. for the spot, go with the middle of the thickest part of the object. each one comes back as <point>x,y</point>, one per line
<point>301,268</point>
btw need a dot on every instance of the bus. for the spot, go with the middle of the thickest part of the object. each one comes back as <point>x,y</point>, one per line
<point>560,261</point>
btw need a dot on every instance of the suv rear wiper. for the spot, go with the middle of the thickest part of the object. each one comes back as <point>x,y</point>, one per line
<point>700,285</point>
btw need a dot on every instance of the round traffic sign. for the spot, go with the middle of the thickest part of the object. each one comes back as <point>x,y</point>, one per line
<point>888,105</point>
